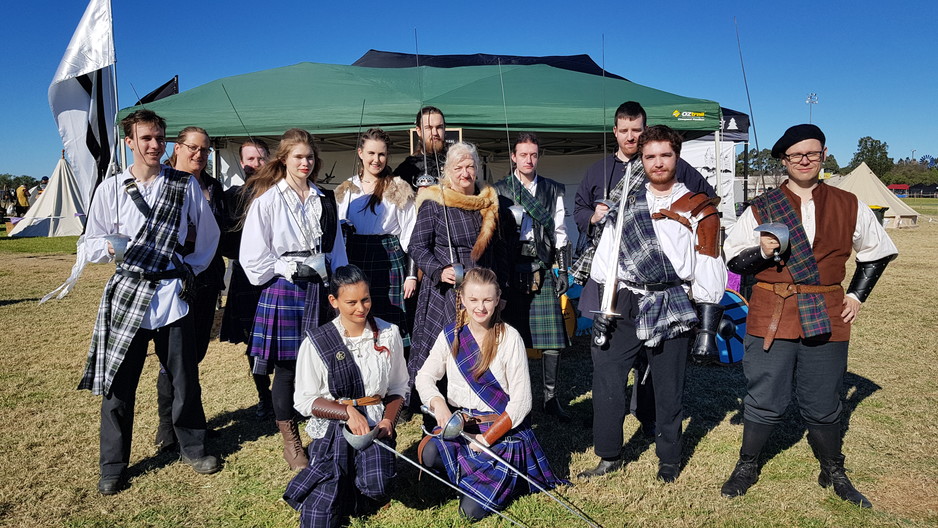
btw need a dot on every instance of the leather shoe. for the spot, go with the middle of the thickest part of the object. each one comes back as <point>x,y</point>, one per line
<point>111,484</point>
<point>205,465</point>
<point>745,474</point>
<point>553,408</point>
<point>668,473</point>
<point>604,466</point>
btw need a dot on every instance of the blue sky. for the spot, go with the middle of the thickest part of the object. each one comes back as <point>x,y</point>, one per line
<point>872,64</point>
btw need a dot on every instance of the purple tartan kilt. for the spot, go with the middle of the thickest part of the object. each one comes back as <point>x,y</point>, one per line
<point>285,312</point>
<point>384,262</point>
<point>482,476</point>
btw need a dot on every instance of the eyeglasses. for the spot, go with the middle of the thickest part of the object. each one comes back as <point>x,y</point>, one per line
<point>799,157</point>
<point>194,148</point>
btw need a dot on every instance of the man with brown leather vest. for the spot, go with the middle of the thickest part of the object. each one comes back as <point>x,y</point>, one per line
<point>799,319</point>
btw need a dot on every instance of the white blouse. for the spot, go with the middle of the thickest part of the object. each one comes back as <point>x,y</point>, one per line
<point>382,373</point>
<point>166,305</point>
<point>706,275</point>
<point>510,368</point>
<point>277,223</point>
<point>527,223</point>
<point>388,219</point>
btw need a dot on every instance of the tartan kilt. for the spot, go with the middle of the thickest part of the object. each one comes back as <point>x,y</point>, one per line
<point>324,491</point>
<point>537,316</point>
<point>285,312</point>
<point>237,322</point>
<point>384,262</point>
<point>483,477</point>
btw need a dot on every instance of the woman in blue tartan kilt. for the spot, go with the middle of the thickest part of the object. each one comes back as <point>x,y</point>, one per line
<point>378,213</point>
<point>486,367</point>
<point>350,373</point>
<point>289,223</point>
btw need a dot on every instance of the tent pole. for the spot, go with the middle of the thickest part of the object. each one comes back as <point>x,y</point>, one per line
<point>746,171</point>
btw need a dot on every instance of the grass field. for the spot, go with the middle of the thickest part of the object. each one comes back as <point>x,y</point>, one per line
<point>49,440</point>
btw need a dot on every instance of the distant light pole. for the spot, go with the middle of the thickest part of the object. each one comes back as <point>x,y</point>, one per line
<point>913,155</point>
<point>811,100</point>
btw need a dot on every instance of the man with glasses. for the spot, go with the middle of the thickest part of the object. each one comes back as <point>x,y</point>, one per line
<point>143,301</point>
<point>798,328</point>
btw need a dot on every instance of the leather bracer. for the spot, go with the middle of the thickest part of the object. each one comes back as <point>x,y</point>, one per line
<point>329,409</point>
<point>749,262</point>
<point>412,268</point>
<point>498,429</point>
<point>393,405</point>
<point>866,276</point>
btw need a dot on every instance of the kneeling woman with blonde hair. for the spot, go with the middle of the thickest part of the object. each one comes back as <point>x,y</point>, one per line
<point>486,367</point>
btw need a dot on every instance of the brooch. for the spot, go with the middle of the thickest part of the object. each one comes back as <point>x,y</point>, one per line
<point>340,355</point>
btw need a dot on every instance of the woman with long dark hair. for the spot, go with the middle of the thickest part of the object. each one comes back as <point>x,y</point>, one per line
<point>379,214</point>
<point>290,244</point>
<point>350,373</point>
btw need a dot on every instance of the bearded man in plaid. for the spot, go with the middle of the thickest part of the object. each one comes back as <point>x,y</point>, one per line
<point>600,186</point>
<point>141,302</point>
<point>537,241</point>
<point>667,258</point>
<point>798,328</point>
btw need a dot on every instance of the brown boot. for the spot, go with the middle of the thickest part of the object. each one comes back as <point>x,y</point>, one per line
<point>293,451</point>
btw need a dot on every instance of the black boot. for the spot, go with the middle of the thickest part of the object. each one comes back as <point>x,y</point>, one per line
<point>825,440</point>
<point>746,472</point>
<point>605,466</point>
<point>165,433</point>
<point>550,362</point>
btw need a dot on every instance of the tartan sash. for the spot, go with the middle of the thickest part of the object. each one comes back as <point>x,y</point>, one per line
<point>661,315</point>
<point>126,300</point>
<point>774,206</point>
<point>486,387</point>
<point>581,267</point>
<point>540,214</point>
<point>345,378</point>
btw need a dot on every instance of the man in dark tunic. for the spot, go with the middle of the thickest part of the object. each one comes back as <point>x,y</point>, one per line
<point>430,126</point>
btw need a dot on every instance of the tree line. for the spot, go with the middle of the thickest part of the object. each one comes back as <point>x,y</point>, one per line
<point>872,151</point>
<point>9,181</point>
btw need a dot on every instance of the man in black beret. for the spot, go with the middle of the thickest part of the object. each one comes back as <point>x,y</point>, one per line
<point>798,327</point>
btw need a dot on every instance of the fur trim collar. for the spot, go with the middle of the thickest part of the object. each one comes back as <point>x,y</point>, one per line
<point>485,201</point>
<point>398,192</point>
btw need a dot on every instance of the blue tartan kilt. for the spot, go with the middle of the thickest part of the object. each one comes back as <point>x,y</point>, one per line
<point>481,476</point>
<point>384,262</point>
<point>285,312</point>
<point>324,491</point>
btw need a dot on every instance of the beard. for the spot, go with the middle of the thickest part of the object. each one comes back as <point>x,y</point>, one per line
<point>661,179</point>
<point>434,145</point>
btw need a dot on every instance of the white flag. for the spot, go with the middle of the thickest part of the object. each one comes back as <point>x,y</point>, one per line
<point>83,99</point>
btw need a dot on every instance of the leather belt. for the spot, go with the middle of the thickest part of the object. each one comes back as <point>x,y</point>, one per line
<point>362,402</point>
<point>653,286</point>
<point>784,290</point>
<point>151,276</point>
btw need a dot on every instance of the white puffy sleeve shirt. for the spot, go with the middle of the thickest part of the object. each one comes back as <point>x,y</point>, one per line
<point>387,219</point>
<point>271,229</point>
<point>382,374</point>
<point>706,275</point>
<point>125,219</point>
<point>870,240</point>
<point>527,223</point>
<point>510,368</point>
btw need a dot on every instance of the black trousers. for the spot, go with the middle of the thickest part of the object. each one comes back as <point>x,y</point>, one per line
<point>611,365</point>
<point>814,369</point>
<point>282,390</point>
<point>175,349</point>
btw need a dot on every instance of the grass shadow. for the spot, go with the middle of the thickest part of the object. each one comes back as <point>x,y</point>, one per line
<point>711,392</point>
<point>8,302</point>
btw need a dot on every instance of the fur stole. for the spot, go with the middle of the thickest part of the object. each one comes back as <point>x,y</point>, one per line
<point>397,193</point>
<point>486,202</point>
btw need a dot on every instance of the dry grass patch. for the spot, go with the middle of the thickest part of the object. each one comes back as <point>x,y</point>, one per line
<point>49,450</point>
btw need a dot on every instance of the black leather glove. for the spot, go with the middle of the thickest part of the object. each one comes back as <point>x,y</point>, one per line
<point>602,327</point>
<point>705,345</point>
<point>561,281</point>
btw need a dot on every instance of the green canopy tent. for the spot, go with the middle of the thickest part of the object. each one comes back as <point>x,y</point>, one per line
<point>564,107</point>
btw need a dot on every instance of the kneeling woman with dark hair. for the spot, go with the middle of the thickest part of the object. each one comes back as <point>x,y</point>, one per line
<point>351,373</point>
<point>486,367</point>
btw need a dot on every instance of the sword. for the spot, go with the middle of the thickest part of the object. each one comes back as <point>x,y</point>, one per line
<point>454,429</point>
<point>779,231</point>
<point>607,308</point>
<point>359,442</point>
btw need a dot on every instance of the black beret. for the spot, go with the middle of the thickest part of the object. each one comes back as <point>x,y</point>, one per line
<point>794,135</point>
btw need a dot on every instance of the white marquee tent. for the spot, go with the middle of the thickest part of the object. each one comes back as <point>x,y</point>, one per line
<point>57,211</point>
<point>871,191</point>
